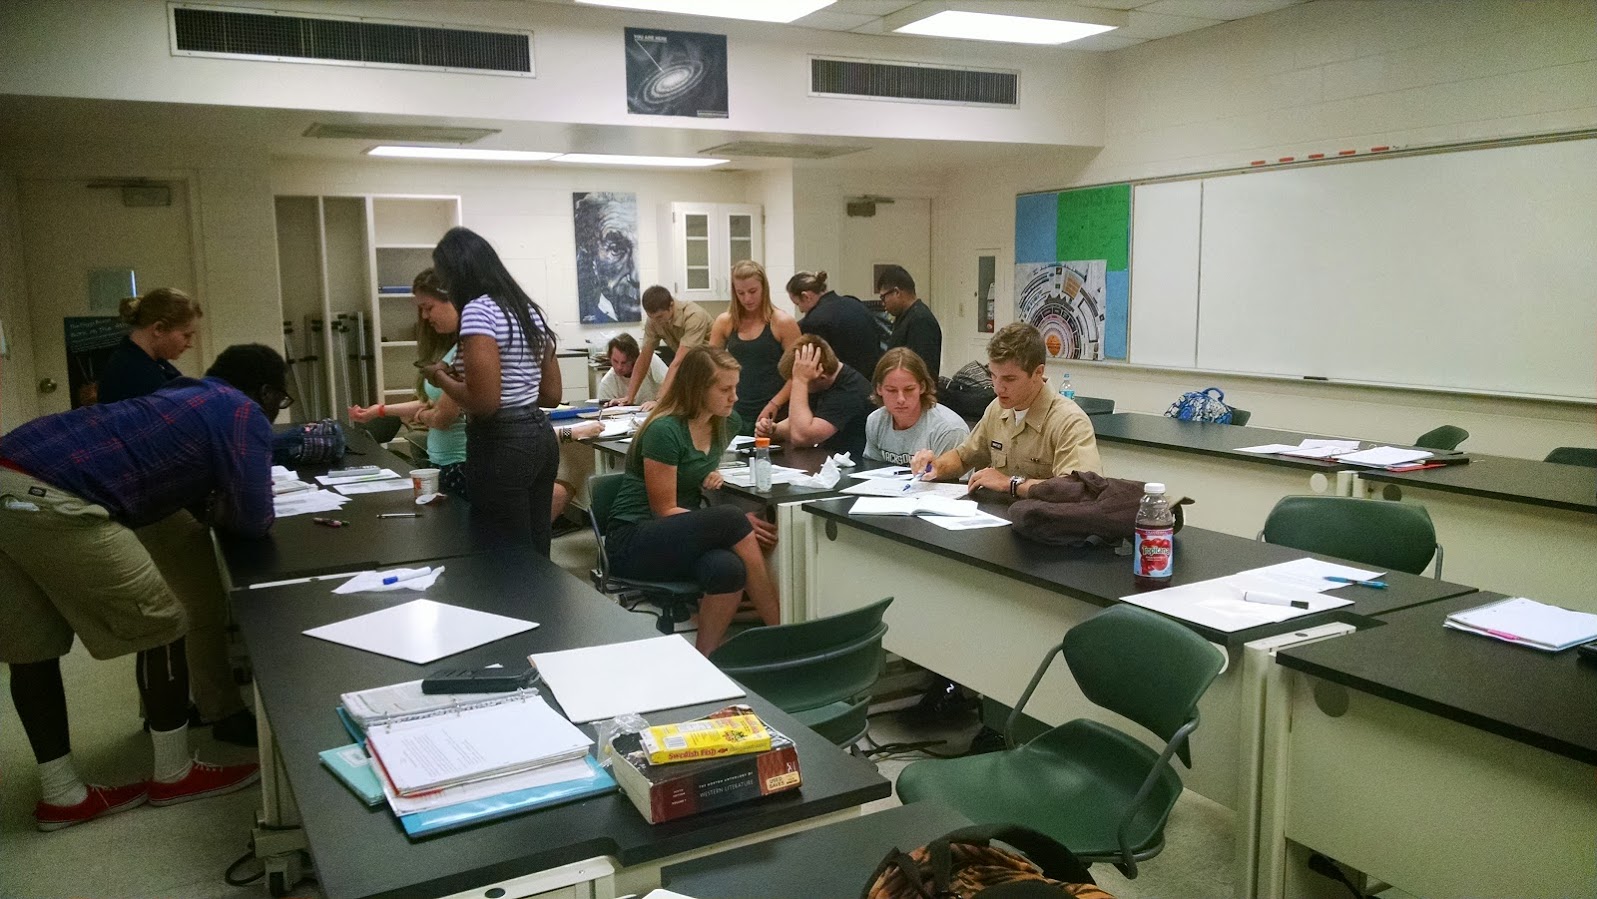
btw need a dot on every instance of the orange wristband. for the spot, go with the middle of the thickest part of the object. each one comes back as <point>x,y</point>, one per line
<point>382,410</point>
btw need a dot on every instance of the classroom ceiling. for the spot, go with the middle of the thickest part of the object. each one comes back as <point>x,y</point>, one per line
<point>1146,20</point>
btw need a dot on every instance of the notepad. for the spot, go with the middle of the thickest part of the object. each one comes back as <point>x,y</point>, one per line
<point>1527,622</point>
<point>421,630</point>
<point>449,747</point>
<point>911,504</point>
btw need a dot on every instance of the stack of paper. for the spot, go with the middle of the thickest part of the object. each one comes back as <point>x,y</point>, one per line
<point>780,474</point>
<point>307,501</point>
<point>904,485</point>
<point>471,743</point>
<point>1223,603</point>
<point>383,474</point>
<point>1528,622</point>
<point>1308,448</point>
<point>1382,456</point>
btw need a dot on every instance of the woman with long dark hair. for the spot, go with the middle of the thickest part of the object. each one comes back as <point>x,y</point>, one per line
<point>505,368</point>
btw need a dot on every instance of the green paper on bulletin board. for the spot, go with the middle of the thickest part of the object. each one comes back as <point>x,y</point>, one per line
<point>1095,223</point>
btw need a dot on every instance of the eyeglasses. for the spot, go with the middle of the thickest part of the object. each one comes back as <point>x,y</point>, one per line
<point>283,399</point>
<point>886,293</point>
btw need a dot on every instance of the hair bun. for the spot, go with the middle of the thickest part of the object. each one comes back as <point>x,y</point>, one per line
<point>820,276</point>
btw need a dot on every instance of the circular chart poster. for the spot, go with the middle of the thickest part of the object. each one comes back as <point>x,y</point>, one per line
<point>1065,301</point>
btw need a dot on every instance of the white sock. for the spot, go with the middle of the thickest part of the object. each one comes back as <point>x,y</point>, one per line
<point>60,784</point>
<point>172,758</point>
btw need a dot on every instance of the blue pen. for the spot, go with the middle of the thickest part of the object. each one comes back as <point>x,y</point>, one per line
<point>1379,585</point>
<point>913,479</point>
<point>409,576</point>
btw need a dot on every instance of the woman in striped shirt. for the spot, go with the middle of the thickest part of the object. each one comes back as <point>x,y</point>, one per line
<point>505,368</point>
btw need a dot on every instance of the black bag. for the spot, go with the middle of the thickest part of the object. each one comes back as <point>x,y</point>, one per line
<point>312,443</point>
<point>969,392</point>
<point>965,864</point>
<point>1082,505</point>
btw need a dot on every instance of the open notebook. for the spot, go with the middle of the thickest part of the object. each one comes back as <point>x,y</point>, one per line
<point>1528,623</point>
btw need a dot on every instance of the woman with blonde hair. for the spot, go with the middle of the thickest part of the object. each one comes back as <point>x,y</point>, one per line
<point>657,530</point>
<point>910,418</point>
<point>437,341</point>
<point>163,323</point>
<point>756,333</point>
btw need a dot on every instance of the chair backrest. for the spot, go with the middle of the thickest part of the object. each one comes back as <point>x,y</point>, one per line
<point>1093,405</point>
<point>1446,437</point>
<point>809,664</point>
<point>1142,666</point>
<point>1574,455</point>
<point>1240,416</point>
<point>1386,534</point>
<point>602,491</point>
<point>383,429</point>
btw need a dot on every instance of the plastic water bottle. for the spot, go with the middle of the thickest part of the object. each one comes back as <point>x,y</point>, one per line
<point>1065,390</point>
<point>760,465</point>
<point>1153,543</point>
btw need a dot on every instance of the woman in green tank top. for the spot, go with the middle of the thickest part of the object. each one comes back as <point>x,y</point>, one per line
<point>756,333</point>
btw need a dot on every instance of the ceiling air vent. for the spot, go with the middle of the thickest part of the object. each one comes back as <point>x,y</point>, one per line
<point>268,34</point>
<point>913,82</point>
<point>422,134</point>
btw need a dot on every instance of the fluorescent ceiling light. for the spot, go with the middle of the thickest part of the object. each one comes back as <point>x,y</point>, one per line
<point>609,159</point>
<point>752,10</point>
<point>460,153</point>
<point>980,26</point>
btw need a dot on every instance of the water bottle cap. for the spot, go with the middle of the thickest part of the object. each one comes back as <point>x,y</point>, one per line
<point>762,442</point>
<point>1153,488</point>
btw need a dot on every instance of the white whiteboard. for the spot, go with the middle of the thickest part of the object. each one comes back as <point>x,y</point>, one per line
<point>1473,270</point>
<point>1164,285</point>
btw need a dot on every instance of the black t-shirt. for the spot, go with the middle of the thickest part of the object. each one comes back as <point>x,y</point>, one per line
<point>918,329</point>
<point>131,373</point>
<point>849,327</point>
<point>845,406</point>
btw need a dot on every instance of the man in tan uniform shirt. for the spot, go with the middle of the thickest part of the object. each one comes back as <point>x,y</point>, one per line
<point>681,324</point>
<point>1028,434</point>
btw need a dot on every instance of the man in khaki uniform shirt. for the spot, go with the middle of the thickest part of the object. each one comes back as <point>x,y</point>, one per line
<point>681,324</point>
<point>1028,434</point>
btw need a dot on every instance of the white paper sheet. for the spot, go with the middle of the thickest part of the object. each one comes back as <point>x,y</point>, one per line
<point>642,676</point>
<point>930,505</point>
<point>1382,456</point>
<point>1313,452</point>
<point>455,748</point>
<point>899,472</point>
<point>1304,574</point>
<point>328,480</point>
<point>890,487</point>
<point>382,486</point>
<point>969,523</point>
<point>280,473</point>
<point>1218,603</point>
<point>421,630</point>
<point>407,579</point>
<point>742,477</point>
<point>306,502</point>
<point>1267,448</point>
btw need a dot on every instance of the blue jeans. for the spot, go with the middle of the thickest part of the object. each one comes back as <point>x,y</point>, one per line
<point>510,476</point>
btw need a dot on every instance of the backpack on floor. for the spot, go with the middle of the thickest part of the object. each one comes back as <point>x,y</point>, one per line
<point>965,864</point>
<point>1201,405</point>
<point>969,392</point>
<point>312,443</point>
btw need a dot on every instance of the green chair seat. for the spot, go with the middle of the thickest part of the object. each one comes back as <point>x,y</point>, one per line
<point>842,722</point>
<point>675,599</point>
<point>1071,783</point>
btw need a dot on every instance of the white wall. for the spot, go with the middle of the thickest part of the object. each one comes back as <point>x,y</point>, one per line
<point>18,398</point>
<point>1315,77</point>
<point>58,48</point>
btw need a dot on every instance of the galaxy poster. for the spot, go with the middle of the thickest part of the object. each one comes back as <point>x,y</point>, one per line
<point>676,73</point>
<point>607,267</point>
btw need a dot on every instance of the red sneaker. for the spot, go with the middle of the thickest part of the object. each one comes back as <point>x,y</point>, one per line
<point>100,802</point>
<point>204,780</point>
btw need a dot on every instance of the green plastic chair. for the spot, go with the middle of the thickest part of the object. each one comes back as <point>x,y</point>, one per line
<point>820,672</point>
<point>1093,405</point>
<point>676,600</point>
<point>1098,790</point>
<point>1574,455</point>
<point>1389,535</point>
<point>1240,416</point>
<point>1446,437</point>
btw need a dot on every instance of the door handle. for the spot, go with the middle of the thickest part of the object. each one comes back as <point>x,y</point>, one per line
<point>47,385</point>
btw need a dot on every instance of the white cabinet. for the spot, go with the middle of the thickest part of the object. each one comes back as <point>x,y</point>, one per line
<point>402,231</point>
<point>705,240</point>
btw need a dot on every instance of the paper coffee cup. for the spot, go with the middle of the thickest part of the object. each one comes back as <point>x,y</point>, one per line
<point>424,480</point>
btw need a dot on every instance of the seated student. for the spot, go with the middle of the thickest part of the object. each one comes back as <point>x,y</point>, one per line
<point>828,401</point>
<point>73,486</point>
<point>437,340</point>
<point>657,530</point>
<point>576,458</point>
<point>1028,434</point>
<point>910,418</point>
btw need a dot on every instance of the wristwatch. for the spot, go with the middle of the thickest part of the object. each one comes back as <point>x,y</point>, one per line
<point>1014,485</point>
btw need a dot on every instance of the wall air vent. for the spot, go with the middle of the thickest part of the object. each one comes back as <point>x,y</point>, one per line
<point>777,150</point>
<point>269,34</point>
<point>912,82</point>
<point>420,134</point>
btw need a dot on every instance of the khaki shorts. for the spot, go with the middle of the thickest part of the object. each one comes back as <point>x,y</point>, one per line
<point>66,568</point>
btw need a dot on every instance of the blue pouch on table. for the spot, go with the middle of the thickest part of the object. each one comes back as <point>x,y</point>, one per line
<point>312,443</point>
<point>1201,405</point>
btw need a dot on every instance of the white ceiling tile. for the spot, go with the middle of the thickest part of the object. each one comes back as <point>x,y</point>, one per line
<point>1104,43</point>
<point>1216,9</point>
<point>1152,25</point>
<point>869,7</point>
<point>834,21</point>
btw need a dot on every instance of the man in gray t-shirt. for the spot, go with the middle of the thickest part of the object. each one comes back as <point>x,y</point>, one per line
<point>939,429</point>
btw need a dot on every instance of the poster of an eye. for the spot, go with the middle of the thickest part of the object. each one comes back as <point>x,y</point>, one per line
<point>607,267</point>
<point>676,73</point>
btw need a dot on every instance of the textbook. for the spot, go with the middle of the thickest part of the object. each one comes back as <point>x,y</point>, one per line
<point>678,789</point>
<point>450,747</point>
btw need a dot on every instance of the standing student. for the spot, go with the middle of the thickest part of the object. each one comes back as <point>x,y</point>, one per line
<point>437,341</point>
<point>163,323</point>
<point>756,333</point>
<point>681,324</point>
<point>506,368</point>
<point>914,324</point>
<point>910,418</point>
<point>656,529</point>
<point>828,401</point>
<point>1028,433</point>
<point>73,486</point>
<point>843,321</point>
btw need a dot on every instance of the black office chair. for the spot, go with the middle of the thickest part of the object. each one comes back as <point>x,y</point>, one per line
<point>1094,406</point>
<point>676,600</point>
<point>1574,455</point>
<point>382,429</point>
<point>1240,416</point>
<point>1446,437</point>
